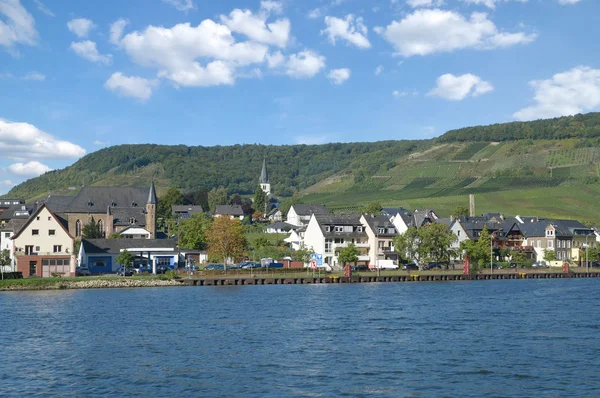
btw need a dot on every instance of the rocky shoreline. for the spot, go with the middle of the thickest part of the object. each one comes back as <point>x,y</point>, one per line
<point>95,284</point>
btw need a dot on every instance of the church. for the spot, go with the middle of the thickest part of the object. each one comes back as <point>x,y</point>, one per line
<point>113,208</point>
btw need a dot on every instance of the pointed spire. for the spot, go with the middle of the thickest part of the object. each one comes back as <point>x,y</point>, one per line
<point>264,176</point>
<point>152,195</point>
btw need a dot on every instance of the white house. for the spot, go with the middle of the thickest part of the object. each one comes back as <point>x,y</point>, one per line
<point>300,214</point>
<point>231,211</point>
<point>380,232</point>
<point>135,232</point>
<point>327,235</point>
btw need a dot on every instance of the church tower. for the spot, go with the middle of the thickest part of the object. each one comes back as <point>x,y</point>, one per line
<point>265,185</point>
<point>151,212</point>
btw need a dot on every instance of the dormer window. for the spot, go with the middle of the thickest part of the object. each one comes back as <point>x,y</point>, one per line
<point>113,204</point>
<point>327,228</point>
<point>90,203</point>
<point>132,220</point>
<point>339,228</point>
<point>381,230</point>
<point>133,204</point>
<point>359,229</point>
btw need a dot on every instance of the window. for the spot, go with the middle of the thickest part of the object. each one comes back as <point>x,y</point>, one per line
<point>539,244</point>
<point>38,218</point>
<point>52,232</point>
<point>328,246</point>
<point>457,233</point>
<point>57,248</point>
<point>35,232</point>
<point>49,218</point>
<point>7,234</point>
<point>59,261</point>
<point>101,227</point>
<point>99,263</point>
<point>32,267</point>
<point>550,245</point>
<point>45,261</point>
<point>28,250</point>
<point>37,248</point>
<point>381,230</point>
<point>77,228</point>
<point>339,228</point>
<point>359,229</point>
<point>327,228</point>
<point>52,261</point>
<point>568,244</point>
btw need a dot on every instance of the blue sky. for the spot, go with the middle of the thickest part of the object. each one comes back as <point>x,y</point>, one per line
<point>76,76</point>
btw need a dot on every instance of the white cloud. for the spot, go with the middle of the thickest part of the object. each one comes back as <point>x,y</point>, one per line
<point>256,28</point>
<point>80,26</point>
<point>490,3</point>
<point>17,27</point>
<point>23,141</point>
<point>35,76</point>
<point>456,88</point>
<point>130,86</point>
<point>101,143</point>
<point>315,13</point>
<point>271,6</point>
<point>275,60</point>
<point>87,50</point>
<point>181,5</point>
<point>174,52</point>
<point>116,30</point>
<point>311,140</point>
<point>397,93</point>
<point>339,76</point>
<point>7,183</point>
<point>428,31</point>
<point>424,3</point>
<point>350,29</point>
<point>567,93</point>
<point>41,7</point>
<point>305,64</point>
<point>378,70</point>
<point>30,169</point>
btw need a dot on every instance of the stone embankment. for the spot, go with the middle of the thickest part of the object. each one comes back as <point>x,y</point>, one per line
<point>95,284</point>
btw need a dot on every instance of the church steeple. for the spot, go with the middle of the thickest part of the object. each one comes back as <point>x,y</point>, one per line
<point>152,195</point>
<point>264,182</point>
<point>264,175</point>
<point>151,212</point>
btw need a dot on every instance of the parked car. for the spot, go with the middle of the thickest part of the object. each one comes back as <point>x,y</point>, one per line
<point>595,264</point>
<point>214,267</point>
<point>251,264</point>
<point>540,264</point>
<point>432,266</point>
<point>275,265</point>
<point>161,269</point>
<point>497,266</point>
<point>82,271</point>
<point>124,271</point>
<point>360,268</point>
<point>515,265</point>
<point>410,267</point>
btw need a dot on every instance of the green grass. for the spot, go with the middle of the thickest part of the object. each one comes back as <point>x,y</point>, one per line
<point>488,151</point>
<point>468,152</point>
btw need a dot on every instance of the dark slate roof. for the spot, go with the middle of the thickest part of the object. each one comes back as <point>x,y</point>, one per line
<point>420,216</point>
<point>229,210</point>
<point>528,219</point>
<point>273,211</point>
<point>378,221</point>
<point>122,216</point>
<point>341,220</point>
<point>152,195</point>
<point>307,210</point>
<point>474,224</point>
<point>536,229</point>
<point>114,246</point>
<point>264,175</point>
<point>6,202</point>
<point>16,212</point>
<point>98,199</point>
<point>13,225</point>
<point>282,225</point>
<point>58,203</point>
<point>392,211</point>
<point>186,209</point>
<point>446,221</point>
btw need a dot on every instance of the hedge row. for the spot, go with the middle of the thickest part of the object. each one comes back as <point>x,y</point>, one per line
<point>13,275</point>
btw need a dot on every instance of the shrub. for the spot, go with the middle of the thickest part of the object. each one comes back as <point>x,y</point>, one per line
<point>13,275</point>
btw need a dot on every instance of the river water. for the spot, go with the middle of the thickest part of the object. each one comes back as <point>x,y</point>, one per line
<point>517,338</point>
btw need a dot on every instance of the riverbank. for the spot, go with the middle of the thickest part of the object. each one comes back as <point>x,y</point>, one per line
<point>272,279</point>
<point>84,283</point>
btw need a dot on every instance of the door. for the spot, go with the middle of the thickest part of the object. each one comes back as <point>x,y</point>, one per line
<point>33,268</point>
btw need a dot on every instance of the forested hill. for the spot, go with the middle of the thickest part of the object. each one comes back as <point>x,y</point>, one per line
<point>237,168</point>
<point>578,126</point>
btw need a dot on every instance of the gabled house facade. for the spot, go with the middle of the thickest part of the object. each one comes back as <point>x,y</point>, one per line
<point>300,214</point>
<point>327,235</point>
<point>567,238</point>
<point>231,211</point>
<point>380,232</point>
<point>44,246</point>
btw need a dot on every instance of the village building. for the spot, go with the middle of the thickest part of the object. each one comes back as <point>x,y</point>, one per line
<point>300,214</point>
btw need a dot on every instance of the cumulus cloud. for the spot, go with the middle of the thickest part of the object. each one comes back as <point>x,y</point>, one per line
<point>350,29</point>
<point>87,50</point>
<point>130,86</point>
<point>23,141</point>
<point>424,3</point>
<point>29,169</point>
<point>41,7</point>
<point>275,60</point>
<point>256,28</point>
<point>456,88</point>
<point>6,183</point>
<point>116,30</point>
<point>17,26</point>
<point>314,13</point>
<point>339,76</point>
<point>490,3</point>
<point>35,76</point>
<point>567,93</point>
<point>304,64</point>
<point>80,26</point>
<point>181,5</point>
<point>271,6</point>
<point>428,31</point>
<point>175,52</point>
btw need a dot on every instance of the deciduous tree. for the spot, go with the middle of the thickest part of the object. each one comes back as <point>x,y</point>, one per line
<point>91,230</point>
<point>216,197</point>
<point>348,254</point>
<point>460,211</point>
<point>225,238</point>
<point>125,259</point>
<point>193,231</point>
<point>165,203</point>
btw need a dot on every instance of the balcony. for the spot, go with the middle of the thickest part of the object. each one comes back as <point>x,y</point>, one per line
<point>362,244</point>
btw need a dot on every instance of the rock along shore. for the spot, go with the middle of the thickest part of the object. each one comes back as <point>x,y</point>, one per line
<point>95,284</point>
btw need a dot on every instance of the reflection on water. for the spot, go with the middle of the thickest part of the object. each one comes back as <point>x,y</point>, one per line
<point>496,338</point>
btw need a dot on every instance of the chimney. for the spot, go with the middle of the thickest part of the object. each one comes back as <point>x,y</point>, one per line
<point>472,205</point>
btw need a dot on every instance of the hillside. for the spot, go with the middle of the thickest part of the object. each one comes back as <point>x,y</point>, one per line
<point>545,167</point>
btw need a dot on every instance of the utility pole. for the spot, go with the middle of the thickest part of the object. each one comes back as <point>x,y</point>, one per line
<point>178,245</point>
